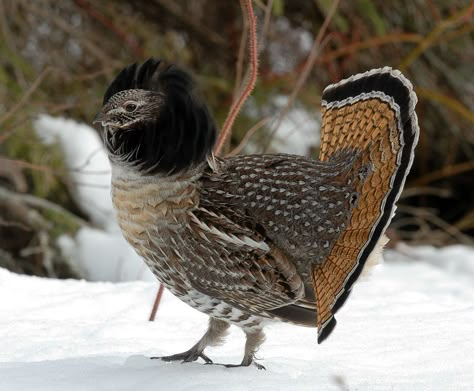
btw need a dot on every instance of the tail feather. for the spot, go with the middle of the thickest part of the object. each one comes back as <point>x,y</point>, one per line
<point>374,113</point>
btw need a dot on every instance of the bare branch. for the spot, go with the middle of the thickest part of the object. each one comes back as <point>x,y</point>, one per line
<point>445,172</point>
<point>435,34</point>
<point>26,96</point>
<point>123,36</point>
<point>41,203</point>
<point>249,134</point>
<point>307,67</point>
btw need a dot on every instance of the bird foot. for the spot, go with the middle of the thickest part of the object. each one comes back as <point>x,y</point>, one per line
<point>188,356</point>
<point>256,364</point>
<point>244,363</point>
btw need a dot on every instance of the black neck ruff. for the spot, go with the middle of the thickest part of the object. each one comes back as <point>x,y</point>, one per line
<point>183,134</point>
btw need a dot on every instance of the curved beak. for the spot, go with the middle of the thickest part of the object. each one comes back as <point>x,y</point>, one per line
<point>99,118</point>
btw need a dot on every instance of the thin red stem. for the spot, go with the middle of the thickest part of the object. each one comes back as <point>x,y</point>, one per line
<point>156,304</point>
<point>235,109</point>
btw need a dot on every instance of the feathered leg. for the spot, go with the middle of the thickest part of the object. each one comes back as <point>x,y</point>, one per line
<point>214,336</point>
<point>255,338</point>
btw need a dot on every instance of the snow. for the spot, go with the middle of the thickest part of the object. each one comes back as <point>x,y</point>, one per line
<point>299,130</point>
<point>288,47</point>
<point>297,133</point>
<point>408,327</point>
<point>104,256</point>
<point>87,162</point>
<point>100,253</point>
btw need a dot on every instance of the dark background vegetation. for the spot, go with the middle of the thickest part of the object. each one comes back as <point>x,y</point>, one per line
<point>57,57</point>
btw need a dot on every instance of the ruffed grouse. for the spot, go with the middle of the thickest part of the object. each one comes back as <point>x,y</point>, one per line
<point>254,238</point>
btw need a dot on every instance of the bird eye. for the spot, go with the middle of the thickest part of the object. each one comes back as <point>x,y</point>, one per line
<point>130,107</point>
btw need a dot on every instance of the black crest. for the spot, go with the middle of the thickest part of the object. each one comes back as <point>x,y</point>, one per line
<point>183,134</point>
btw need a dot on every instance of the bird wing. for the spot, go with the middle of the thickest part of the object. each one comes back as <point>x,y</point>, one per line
<point>237,265</point>
<point>273,216</point>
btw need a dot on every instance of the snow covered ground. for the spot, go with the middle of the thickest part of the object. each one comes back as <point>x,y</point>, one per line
<point>409,327</point>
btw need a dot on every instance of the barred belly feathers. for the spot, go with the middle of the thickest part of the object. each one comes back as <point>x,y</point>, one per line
<point>256,238</point>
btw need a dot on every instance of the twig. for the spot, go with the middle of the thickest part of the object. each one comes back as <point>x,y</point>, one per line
<point>466,222</point>
<point>466,29</point>
<point>444,173</point>
<point>48,170</point>
<point>14,174</point>
<point>156,303</point>
<point>248,135</point>
<point>14,127</point>
<point>432,37</point>
<point>15,224</point>
<point>240,59</point>
<point>26,96</point>
<point>94,185</point>
<point>266,23</point>
<point>307,68</point>
<point>83,165</point>
<point>418,191</point>
<point>31,166</point>
<point>200,29</point>
<point>451,103</point>
<point>369,43</point>
<point>440,223</point>
<point>41,203</point>
<point>129,41</point>
<point>10,42</point>
<point>92,75</point>
<point>260,41</point>
<point>234,111</point>
<point>93,48</point>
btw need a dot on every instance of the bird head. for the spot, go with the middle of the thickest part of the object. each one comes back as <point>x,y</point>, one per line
<point>129,109</point>
<point>153,122</point>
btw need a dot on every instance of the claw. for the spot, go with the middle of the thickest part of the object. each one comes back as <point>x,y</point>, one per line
<point>188,356</point>
<point>206,359</point>
<point>259,366</point>
<point>244,364</point>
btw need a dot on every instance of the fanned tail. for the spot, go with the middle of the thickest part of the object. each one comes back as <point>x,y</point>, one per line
<point>373,112</point>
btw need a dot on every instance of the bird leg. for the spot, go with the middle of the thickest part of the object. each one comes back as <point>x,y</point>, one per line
<point>214,336</point>
<point>254,339</point>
